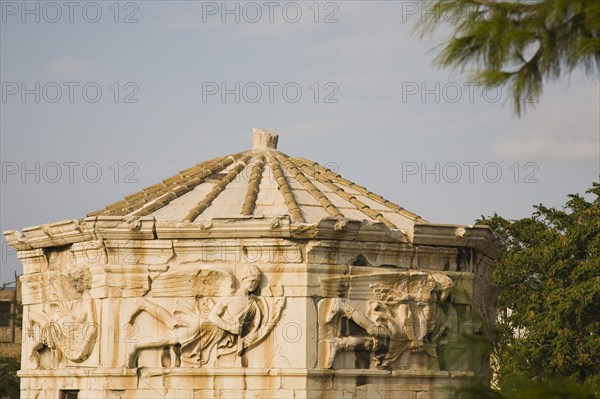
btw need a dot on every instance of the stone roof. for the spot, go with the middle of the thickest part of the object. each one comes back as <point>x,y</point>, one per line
<point>259,193</point>
<point>260,182</point>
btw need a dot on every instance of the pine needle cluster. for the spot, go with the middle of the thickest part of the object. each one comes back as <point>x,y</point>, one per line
<point>517,44</point>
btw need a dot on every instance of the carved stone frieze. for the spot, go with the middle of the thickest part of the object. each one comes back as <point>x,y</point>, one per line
<point>393,315</point>
<point>216,314</point>
<point>66,326</point>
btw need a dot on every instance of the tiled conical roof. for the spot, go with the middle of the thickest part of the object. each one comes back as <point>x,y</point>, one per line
<point>260,181</point>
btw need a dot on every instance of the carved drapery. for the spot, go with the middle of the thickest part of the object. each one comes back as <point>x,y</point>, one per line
<point>66,328</point>
<point>204,327</point>
<point>402,320</point>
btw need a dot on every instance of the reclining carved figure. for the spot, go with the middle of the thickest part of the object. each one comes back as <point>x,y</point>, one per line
<point>234,323</point>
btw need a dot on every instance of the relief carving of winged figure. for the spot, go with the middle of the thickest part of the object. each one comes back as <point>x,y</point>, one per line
<point>402,314</point>
<point>67,325</point>
<point>218,318</point>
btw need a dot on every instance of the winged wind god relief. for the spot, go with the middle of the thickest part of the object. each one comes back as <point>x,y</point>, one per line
<point>66,324</point>
<point>398,319</point>
<point>216,314</point>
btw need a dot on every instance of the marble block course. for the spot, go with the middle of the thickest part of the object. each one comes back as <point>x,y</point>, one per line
<point>254,275</point>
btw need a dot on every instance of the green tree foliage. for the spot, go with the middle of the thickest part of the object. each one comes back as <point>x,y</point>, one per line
<point>517,44</point>
<point>526,388</point>
<point>9,382</point>
<point>549,283</point>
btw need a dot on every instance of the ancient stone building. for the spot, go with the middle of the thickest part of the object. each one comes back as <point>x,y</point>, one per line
<point>10,330</point>
<point>254,275</point>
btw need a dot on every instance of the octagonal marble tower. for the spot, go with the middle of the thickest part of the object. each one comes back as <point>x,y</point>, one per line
<point>254,275</point>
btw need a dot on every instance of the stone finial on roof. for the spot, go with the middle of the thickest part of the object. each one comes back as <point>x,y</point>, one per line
<point>263,139</point>
<point>274,184</point>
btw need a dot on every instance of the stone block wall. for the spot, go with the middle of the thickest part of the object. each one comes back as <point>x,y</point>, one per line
<point>259,318</point>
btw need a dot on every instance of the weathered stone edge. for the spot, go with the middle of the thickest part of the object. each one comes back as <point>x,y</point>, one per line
<point>480,238</point>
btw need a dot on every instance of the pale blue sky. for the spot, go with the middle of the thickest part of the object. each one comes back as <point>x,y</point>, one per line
<point>376,134</point>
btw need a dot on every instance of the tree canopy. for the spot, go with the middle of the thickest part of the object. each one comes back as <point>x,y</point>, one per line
<point>549,284</point>
<point>9,382</point>
<point>517,44</point>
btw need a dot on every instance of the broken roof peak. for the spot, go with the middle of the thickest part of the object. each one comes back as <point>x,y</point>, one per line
<point>263,139</point>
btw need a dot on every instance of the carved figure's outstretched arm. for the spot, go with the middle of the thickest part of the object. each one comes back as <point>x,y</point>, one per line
<point>340,306</point>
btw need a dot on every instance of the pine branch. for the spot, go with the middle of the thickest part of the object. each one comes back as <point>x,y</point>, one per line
<point>495,37</point>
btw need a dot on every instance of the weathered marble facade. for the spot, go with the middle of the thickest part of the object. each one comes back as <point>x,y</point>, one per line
<point>254,276</point>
